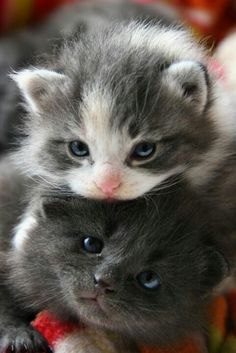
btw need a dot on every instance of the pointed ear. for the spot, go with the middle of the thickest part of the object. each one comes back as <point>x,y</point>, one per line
<point>55,207</point>
<point>189,80</point>
<point>39,86</point>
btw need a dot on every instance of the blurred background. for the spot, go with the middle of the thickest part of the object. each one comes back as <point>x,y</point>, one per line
<point>214,18</point>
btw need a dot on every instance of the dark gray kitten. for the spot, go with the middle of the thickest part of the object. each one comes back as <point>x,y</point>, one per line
<point>144,269</point>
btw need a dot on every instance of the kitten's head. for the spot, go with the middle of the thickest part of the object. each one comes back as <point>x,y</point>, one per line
<point>126,111</point>
<point>119,266</point>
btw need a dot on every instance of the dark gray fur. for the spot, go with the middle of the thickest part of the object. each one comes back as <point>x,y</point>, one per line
<point>48,273</point>
<point>167,234</point>
<point>219,196</point>
<point>15,331</point>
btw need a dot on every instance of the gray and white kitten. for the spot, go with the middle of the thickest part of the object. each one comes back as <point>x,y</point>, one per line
<point>122,267</point>
<point>120,108</point>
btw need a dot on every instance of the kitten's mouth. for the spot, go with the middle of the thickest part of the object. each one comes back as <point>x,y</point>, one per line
<point>95,301</point>
<point>93,298</point>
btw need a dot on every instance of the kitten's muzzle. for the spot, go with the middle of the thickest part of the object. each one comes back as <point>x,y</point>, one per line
<point>103,285</point>
<point>109,179</point>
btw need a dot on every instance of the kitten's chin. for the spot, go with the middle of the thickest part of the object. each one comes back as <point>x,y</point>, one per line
<point>98,313</point>
<point>94,311</point>
<point>118,196</point>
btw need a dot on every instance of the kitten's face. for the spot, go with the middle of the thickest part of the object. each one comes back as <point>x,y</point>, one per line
<point>118,266</point>
<point>120,120</point>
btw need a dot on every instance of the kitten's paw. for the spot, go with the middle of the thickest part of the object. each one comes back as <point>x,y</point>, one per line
<point>22,339</point>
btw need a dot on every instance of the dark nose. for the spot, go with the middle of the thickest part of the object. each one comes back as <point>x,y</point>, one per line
<point>104,283</point>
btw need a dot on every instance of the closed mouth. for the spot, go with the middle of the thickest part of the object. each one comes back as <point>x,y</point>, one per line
<point>92,298</point>
<point>95,302</point>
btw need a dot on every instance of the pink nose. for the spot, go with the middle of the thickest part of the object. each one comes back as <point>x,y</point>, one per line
<point>109,185</point>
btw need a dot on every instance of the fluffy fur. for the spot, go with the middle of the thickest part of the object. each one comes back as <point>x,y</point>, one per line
<point>113,86</point>
<point>51,270</point>
<point>117,62</point>
<point>116,80</point>
<point>28,47</point>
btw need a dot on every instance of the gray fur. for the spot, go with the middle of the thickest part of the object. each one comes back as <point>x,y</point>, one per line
<point>167,234</point>
<point>95,53</point>
<point>154,89</point>
<point>147,97</point>
<point>28,47</point>
<point>166,95</point>
<point>116,60</point>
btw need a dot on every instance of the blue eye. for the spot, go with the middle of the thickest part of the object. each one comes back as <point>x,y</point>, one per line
<point>149,280</point>
<point>92,245</point>
<point>143,150</point>
<point>79,148</point>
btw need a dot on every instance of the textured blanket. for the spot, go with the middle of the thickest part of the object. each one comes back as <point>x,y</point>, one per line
<point>221,337</point>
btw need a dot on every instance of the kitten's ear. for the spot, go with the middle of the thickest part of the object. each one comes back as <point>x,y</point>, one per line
<point>189,79</point>
<point>55,207</point>
<point>39,86</point>
<point>217,268</point>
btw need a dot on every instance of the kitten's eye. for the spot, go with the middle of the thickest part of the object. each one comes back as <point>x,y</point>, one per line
<point>143,150</point>
<point>79,148</point>
<point>149,280</point>
<point>92,245</point>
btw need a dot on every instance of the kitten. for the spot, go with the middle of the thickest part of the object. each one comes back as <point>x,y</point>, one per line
<point>143,269</point>
<point>120,108</point>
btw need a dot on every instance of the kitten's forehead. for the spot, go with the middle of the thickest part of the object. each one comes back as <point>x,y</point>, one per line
<point>141,39</point>
<point>116,73</point>
<point>114,115</point>
<point>97,125</point>
<point>131,222</point>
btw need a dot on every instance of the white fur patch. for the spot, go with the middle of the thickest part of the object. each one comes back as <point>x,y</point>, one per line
<point>27,223</point>
<point>96,112</point>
